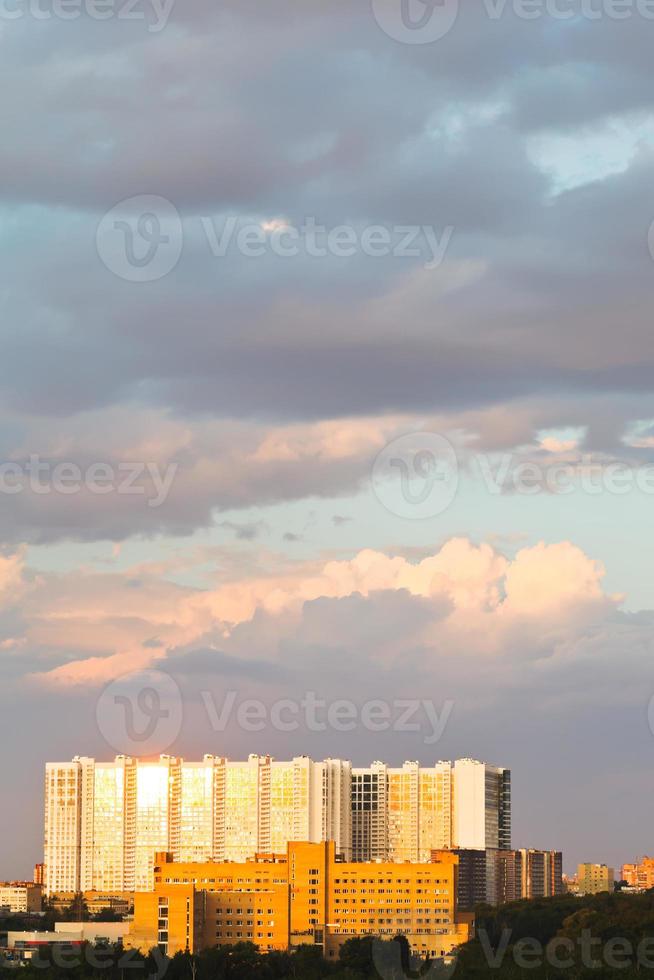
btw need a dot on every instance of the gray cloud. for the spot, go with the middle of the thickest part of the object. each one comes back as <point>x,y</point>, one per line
<point>268,380</point>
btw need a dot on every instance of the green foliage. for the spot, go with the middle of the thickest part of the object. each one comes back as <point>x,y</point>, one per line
<point>506,948</point>
<point>76,911</point>
<point>604,937</point>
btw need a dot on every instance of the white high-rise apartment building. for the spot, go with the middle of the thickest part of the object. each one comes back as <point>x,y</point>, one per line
<point>369,813</point>
<point>332,806</point>
<point>481,806</point>
<point>201,822</point>
<point>310,801</point>
<point>401,814</point>
<point>66,786</point>
<point>110,827</point>
<point>104,822</point>
<point>246,806</point>
<point>435,809</point>
<point>156,816</point>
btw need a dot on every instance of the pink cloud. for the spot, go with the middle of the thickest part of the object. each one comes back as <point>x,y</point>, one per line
<point>108,624</point>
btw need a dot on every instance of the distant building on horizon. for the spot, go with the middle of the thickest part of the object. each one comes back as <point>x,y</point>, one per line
<point>594,878</point>
<point>640,874</point>
<point>20,896</point>
<point>499,876</point>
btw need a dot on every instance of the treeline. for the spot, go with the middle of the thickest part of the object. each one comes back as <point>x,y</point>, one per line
<point>242,961</point>
<point>606,937</point>
<point>601,937</point>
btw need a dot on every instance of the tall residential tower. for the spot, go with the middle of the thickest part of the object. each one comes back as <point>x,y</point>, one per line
<point>104,821</point>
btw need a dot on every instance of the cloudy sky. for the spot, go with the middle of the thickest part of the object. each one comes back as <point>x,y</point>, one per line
<point>327,367</point>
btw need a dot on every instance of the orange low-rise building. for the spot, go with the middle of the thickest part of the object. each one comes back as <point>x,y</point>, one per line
<point>304,896</point>
<point>640,874</point>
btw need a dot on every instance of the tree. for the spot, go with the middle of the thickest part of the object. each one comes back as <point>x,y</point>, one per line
<point>356,954</point>
<point>77,910</point>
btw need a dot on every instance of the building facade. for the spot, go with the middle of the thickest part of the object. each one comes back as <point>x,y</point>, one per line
<point>66,786</point>
<point>404,814</point>
<point>105,821</point>
<point>509,877</point>
<point>594,878</point>
<point>472,877</point>
<point>303,896</point>
<point>541,873</point>
<point>481,806</point>
<point>640,874</point>
<point>369,813</point>
<point>498,876</point>
<point>20,896</point>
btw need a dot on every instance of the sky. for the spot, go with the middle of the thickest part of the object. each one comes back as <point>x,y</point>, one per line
<point>327,372</point>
